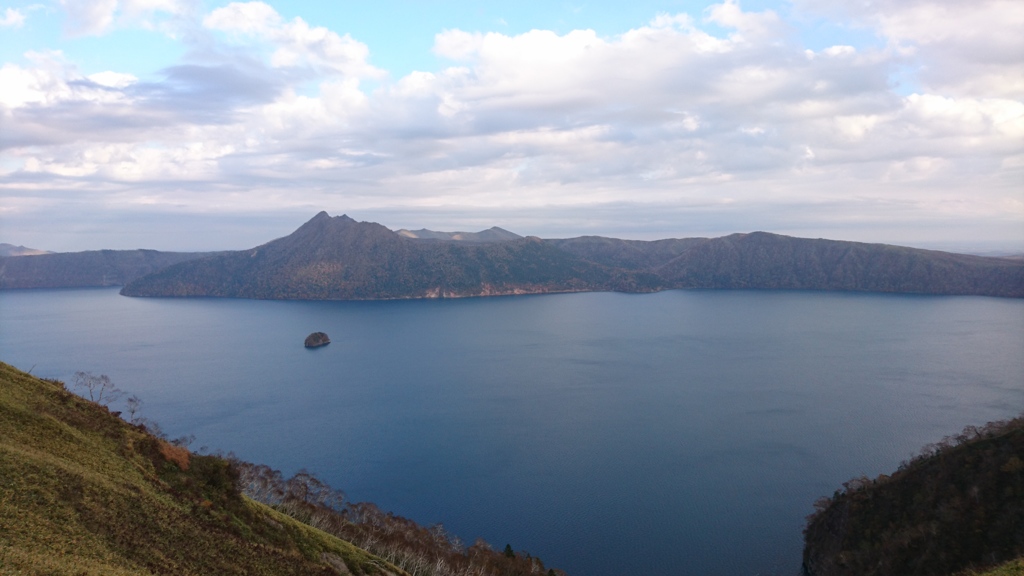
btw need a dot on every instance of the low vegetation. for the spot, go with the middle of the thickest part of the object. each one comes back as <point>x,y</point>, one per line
<point>83,492</point>
<point>958,507</point>
<point>417,549</point>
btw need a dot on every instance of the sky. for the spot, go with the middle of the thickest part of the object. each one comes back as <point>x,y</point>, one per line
<point>204,125</point>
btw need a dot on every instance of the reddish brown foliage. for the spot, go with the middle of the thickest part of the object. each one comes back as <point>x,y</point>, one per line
<point>179,455</point>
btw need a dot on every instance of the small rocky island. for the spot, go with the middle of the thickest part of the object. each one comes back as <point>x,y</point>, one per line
<point>317,339</point>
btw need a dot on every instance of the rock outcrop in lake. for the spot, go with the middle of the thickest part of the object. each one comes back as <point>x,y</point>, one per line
<point>341,259</point>
<point>316,340</point>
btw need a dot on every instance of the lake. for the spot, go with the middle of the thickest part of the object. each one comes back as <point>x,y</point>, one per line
<point>683,432</point>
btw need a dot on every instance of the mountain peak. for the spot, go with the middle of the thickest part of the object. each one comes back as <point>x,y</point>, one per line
<point>12,250</point>
<point>492,234</point>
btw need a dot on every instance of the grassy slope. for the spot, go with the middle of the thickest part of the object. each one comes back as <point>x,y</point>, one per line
<point>1012,568</point>
<point>82,492</point>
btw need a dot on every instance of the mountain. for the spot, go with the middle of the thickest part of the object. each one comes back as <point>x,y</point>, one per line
<point>627,254</point>
<point>86,269</point>
<point>770,261</point>
<point>341,259</point>
<point>493,234</point>
<point>957,507</point>
<point>84,492</point>
<point>762,260</point>
<point>12,250</point>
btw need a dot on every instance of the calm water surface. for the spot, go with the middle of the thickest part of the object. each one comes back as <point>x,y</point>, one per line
<point>685,432</point>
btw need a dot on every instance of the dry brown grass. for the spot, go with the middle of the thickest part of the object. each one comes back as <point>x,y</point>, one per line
<point>179,455</point>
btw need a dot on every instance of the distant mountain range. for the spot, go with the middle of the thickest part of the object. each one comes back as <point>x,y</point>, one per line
<point>86,269</point>
<point>12,250</point>
<point>341,259</point>
<point>493,234</point>
<point>338,258</point>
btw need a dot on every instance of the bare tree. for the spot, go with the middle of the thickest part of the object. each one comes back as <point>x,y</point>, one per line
<point>100,389</point>
<point>134,404</point>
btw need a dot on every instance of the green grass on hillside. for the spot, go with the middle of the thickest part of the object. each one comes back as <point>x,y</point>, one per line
<point>82,492</point>
<point>1013,568</point>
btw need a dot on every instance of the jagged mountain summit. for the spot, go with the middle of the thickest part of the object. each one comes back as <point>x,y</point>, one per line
<point>338,258</point>
<point>341,259</point>
<point>12,250</point>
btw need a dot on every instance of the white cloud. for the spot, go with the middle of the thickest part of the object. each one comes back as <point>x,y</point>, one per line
<point>255,18</point>
<point>97,17</point>
<point>89,17</point>
<point>51,81</point>
<point>113,79</point>
<point>662,122</point>
<point>12,19</point>
<point>749,26</point>
<point>963,48</point>
<point>296,43</point>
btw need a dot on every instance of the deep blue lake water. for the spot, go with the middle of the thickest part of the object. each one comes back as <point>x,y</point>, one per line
<point>684,432</point>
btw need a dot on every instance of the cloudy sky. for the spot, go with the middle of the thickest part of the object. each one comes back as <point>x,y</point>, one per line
<point>198,124</point>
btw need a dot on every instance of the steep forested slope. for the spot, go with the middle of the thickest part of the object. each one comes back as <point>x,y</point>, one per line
<point>958,506</point>
<point>85,269</point>
<point>762,260</point>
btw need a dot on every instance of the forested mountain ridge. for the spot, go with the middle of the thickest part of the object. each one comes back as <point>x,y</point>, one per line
<point>771,261</point>
<point>85,269</point>
<point>341,259</point>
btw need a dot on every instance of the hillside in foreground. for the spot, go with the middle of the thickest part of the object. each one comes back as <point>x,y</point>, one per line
<point>956,508</point>
<point>85,493</point>
<point>82,492</point>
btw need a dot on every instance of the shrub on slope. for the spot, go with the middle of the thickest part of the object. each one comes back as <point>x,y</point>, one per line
<point>83,492</point>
